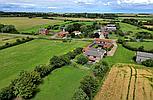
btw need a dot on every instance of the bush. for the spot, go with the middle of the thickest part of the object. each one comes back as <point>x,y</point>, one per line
<point>148,63</point>
<point>6,93</point>
<point>80,95</point>
<point>81,59</point>
<point>26,84</point>
<point>89,85</point>
<point>100,69</point>
<point>43,70</point>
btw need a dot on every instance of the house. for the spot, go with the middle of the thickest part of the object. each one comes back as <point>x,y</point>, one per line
<point>143,56</point>
<point>94,55</point>
<point>104,43</point>
<point>62,34</point>
<point>77,32</point>
<point>43,31</point>
<point>111,27</point>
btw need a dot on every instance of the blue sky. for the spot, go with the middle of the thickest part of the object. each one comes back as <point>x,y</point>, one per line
<point>63,6</point>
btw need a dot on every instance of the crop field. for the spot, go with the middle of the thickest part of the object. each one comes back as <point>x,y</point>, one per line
<point>28,55</point>
<point>24,24</point>
<point>127,27</point>
<point>61,84</point>
<point>147,45</point>
<point>127,82</point>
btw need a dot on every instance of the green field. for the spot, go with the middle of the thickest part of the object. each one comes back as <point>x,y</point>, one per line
<point>147,45</point>
<point>61,84</point>
<point>127,27</point>
<point>28,55</point>
<point>24,24</point>
<point>122,55</point>
<point>8,39</point>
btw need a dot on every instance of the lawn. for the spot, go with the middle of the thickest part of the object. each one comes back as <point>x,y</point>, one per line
<point>122,55</point>
<point>28,55</point>
<point>147,45</point>
<point>61,84</point>
<point>127,27</point>
<point>24,24</point>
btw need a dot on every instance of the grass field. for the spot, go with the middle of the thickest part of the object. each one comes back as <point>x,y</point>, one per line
<point>147,45</point>
<point>24,24</point>
<point>61,84</point>
<point>26,56</point>
<point>8,39</point>
<point>127,27</point>
<point>122,55</point>
<point>127,82</point>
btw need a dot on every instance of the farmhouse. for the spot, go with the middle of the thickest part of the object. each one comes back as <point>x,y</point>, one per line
<point>95,55</point>
<point>44,31</point>
<point>142,56</point>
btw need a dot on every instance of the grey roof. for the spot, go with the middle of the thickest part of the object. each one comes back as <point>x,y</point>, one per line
<point>144,54</point>
<point>95,52</point>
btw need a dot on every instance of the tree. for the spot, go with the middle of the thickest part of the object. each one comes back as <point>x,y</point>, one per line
<point>141,48</point>
<point>148,63</point>
<point>25,85</point>
<point>81,59</point>
<point>6,93</point>
<point>80,95</point>
<point>89,85</point>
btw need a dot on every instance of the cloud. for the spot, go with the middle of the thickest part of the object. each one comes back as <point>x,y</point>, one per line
<point>52,7</point>
<point>135,1</point>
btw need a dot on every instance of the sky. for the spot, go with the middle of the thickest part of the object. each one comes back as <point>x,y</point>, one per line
<point>74,6</point>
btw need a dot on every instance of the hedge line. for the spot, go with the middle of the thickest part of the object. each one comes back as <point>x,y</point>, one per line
<point>26,84</point>
<point>18,41</point>
<point>91,84</point>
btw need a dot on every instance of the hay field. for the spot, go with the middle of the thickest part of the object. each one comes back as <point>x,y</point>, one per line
<point>127,82</point>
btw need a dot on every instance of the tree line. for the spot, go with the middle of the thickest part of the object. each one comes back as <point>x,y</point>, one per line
<point>25,86</point>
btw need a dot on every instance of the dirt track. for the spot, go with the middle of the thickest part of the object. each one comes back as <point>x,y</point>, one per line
<point>125,82</point>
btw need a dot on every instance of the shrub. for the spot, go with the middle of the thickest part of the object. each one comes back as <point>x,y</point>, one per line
<point>80,95</point>
<point>148,63</point>
<point>100,69</point>
<point>43,70</point>
<point>6,93</point>
<point>89,85</point>
<point>81,59</point>
<point>26,84</point>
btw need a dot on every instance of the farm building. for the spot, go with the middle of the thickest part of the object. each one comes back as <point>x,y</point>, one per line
<point>104,43</point>
<point>111,27</point>
<point>77,32</point>
<point>43,31</point>
<point>95,55</point>
<point>63,34</point>
<point>142,56</point>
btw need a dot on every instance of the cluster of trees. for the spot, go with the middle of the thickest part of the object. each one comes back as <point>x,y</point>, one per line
<point>87,30</point>
<point>82,59</point>
<point>90,84</point>
<point>45,15</point>
<point>18,41</point>
<point>144,35</point>
<point>8,28</point>
<point>139,23</point>
<point>25,86</point>
<point>148,63</point>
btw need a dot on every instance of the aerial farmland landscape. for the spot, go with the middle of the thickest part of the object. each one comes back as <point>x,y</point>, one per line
<point>76,50</point>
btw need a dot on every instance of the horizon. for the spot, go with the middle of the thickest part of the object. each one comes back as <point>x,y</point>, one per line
<point>78,6</point>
